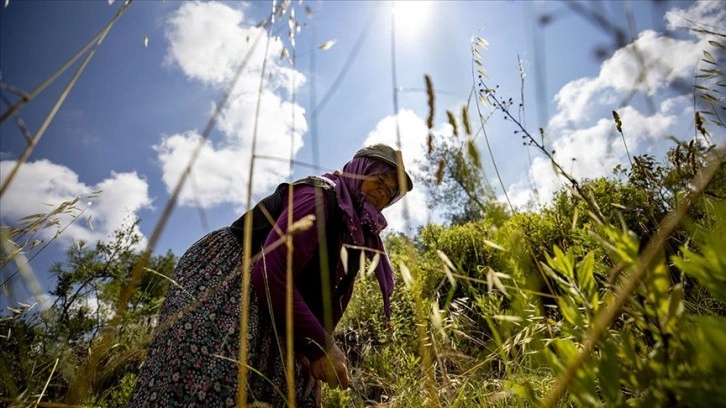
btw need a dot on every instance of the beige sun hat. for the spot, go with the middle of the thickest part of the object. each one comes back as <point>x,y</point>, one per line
<point>388,155</point>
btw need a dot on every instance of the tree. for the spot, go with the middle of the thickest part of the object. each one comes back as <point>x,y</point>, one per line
<point>456,184</point>
<point>57,339</point>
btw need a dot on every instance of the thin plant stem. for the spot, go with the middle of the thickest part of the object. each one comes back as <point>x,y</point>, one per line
<point>540,67</point>
<point>19,122</point>
<point>486,139</point>
<point>27,97</point>
<point>254,370</point>
<point>491,156</point>
<point>200,207</point>
<point>40,397</point>
<point>245,289</point>
<point>58,234</point>
<point>290,366</point>
<point>292,119</point>
<point>289,327</point>
<point>171,282</point>
<point>23,266</point>
<point>319,210</point>
<point>46,122</point>
<point>427,365</point>
<point>627,151</point>
<point>80,385</point>
<point>523,119</point>
<point>498,105</point>
<point>294,162</point>
<point>348,62</point>
<point>313,99</point>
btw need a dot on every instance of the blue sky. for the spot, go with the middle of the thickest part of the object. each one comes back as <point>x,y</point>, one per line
<point>129,124</point>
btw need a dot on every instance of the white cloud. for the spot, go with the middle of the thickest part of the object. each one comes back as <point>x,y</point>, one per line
<point>41,186</point>
<point>648,64</point>
<point>413,133</point>
<point>644,66</point>
<point>642,131</point>
<point>703,12</point>
<point>592,148</point>
<point>545,180</point>
<point>583,127</point>
<point>677,104</point>
<point>208,41</point>
<point>596,150</point>
<point>573,101</point>
<point>599,148</point>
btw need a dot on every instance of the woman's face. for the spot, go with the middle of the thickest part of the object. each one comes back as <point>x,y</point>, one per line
<point>380,189</point>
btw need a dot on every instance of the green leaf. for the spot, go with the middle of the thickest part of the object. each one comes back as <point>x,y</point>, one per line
<point>657,284</point>
<point>675,308</point>
<point>583,387</point>
<point>553,361</point>
<point>566,350</point>
<point>570,311</point>
<point>707,264</point>
<point>609,374</point>
<point>563,263</point>
<point>629,357</point>
<point>585,278</point>
<point>709,338</point>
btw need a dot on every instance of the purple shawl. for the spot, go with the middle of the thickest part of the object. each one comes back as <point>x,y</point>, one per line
<point>363,220</point>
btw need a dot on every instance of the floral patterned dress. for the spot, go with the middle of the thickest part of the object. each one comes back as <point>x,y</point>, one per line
<point>192,361</point>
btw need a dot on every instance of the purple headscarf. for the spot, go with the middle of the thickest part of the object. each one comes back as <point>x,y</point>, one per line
<point>363,220</point>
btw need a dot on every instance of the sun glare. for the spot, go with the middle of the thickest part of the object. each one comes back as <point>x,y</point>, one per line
<point>410,15</point>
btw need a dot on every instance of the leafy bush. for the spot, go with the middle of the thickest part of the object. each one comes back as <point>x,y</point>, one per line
<point>52,343</point>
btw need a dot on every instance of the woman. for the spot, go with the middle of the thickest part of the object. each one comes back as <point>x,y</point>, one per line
<point>192,360</point>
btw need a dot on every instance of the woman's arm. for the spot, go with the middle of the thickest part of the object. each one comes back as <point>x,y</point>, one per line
<point>270,269</point>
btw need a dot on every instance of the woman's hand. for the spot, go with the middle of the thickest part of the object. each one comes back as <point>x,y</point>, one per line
<point>331,368</point>
<point>312,385</point>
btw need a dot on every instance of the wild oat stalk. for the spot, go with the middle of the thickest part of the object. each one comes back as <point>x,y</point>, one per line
<point>487,96</point>
<point>482,44</point>
<point>96,42</point>
<point>413,285</point>
<point>80,385</point>
<point>427,365</point>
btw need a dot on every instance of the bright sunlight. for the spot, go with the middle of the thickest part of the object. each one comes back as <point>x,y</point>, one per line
<point>411,15</point>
